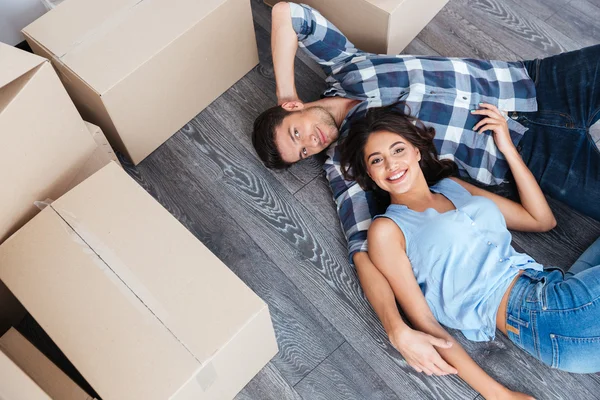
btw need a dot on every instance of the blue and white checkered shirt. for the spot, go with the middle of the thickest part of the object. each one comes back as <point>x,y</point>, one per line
<point>440,91</point>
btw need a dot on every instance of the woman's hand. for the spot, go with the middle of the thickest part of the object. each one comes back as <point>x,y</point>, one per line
<point>510,395</point>
<point>418,350</point>
<point>495,122</point>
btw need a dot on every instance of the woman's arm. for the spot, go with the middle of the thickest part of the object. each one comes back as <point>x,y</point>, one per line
<point>416,347</point>
<point>387,251</point>
<point>533,214</point>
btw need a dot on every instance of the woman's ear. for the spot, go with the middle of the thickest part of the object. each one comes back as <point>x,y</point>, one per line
<point>292,105</point>
<point>418,155</point>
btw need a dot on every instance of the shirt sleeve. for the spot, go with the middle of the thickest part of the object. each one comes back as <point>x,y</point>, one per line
<point>319,38</point>
<point>356,208</point>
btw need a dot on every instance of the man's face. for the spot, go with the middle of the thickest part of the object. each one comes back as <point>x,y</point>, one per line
<point>305,133</point>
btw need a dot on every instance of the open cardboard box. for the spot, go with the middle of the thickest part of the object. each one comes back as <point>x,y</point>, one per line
<point>142,69</point>
<point>139,306</point>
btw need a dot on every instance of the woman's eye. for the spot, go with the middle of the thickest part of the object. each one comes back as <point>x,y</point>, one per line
<point>296,133</point>
<point>376,161</point>
<point>398,150</point>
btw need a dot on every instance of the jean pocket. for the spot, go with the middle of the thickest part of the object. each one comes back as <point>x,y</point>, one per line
<point>551,118</point>
<point>578,355</point>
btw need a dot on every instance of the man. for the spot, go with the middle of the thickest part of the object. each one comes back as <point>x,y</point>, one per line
<point>551,130</point>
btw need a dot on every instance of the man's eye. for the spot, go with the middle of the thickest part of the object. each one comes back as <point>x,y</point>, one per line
<point>296,133</point>
<point>304,152</point>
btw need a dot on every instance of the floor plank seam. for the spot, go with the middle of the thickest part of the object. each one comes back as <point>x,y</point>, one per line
<point>321,362</point>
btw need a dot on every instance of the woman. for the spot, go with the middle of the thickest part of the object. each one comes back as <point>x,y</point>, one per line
<point>444,247</point>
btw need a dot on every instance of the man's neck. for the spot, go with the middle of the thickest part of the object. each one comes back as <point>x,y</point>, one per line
<point>338,107</point>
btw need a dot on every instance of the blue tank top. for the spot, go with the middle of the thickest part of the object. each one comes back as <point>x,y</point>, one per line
<point>462,259</point>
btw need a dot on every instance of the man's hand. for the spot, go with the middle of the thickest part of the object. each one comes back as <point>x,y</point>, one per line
<point>418,350</point>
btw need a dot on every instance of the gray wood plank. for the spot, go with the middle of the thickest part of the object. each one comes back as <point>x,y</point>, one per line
<point>344,376</point>
<point>304,251</point>
<point>268,385</point>
<point>515,28</point>
<point>419,48</point>
<point>579,20</point>
<point>452,35</point>
<point>304,336</point>
<point>316,197</point>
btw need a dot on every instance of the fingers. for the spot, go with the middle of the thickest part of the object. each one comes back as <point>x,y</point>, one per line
<point>446,368</point>
<point>486,122</point>
<point>489,127</point>
<point>444,344</point>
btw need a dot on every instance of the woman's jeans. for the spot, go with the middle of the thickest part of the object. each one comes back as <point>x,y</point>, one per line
<point>556,318</point>
<point>558,148</point>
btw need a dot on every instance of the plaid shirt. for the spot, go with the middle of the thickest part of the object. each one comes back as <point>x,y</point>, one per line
<point>440,91</point>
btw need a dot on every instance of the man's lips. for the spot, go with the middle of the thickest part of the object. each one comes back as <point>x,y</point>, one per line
<point>321,136</point>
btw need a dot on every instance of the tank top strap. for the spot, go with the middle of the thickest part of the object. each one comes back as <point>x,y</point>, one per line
<point>453,191</point>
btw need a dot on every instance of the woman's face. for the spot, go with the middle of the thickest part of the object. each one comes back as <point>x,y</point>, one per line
<point>392,162</point>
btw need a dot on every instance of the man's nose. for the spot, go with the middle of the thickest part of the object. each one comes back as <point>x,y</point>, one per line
<point>312,140</point>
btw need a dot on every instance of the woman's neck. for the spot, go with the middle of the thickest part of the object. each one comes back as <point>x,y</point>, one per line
<point>418,198</point>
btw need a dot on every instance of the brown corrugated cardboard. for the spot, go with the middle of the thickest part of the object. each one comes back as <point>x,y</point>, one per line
<point>377,26</point>
<point>142,69</point>
<point>15,384</point>
<point>139,306</point>
<point>40,369</point>
<point>43,140</point>
<point>101,156</point>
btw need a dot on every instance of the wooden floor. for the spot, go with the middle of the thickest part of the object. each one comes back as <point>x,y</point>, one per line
<point>280,234</point>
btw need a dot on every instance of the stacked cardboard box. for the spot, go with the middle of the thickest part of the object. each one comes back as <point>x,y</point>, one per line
<point>377,26</point>
<point>139,306</point>
<point>36,376</point>
<point>142,69</point>
<point>45,147</point>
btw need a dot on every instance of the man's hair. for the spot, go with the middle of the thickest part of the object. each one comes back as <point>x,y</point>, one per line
<point>263,137</point>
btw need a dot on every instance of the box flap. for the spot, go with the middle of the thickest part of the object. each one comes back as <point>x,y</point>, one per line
<point>388,6</point>
<point>160,261</point>
<point>15,63</point>
<point>15,384</point>
<point>39,368</point>
<point>102,41</point>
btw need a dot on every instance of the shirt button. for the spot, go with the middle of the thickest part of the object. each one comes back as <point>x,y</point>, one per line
<point>489,243</point>
<point>545,308</point>
<point>472,223</point>
<point>552,336</point>
<point>500,260</point>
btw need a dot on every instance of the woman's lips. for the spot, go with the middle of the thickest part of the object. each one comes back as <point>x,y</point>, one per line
<point>397,177</point>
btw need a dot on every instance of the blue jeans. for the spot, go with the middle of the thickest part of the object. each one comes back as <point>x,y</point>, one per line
<point>558,148</point>
<point>556,318</point>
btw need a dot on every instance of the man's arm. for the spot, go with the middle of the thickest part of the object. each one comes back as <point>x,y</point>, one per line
<point>284,44</point>
<point>416,347</point>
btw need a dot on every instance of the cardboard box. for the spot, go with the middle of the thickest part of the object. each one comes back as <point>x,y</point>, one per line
<point>142,69</point>
<point>43,140</point>
<point>377,26</point>
<point>139,306</point>
<point>11,310</point>
<point>103,155</point>
<point>15,384</point>
<point>47,376</point>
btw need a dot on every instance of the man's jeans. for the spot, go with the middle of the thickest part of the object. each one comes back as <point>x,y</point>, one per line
<point>555,318</point>
<point>558,148</point>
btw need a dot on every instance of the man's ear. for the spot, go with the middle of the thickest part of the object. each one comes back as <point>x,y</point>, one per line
<point>292,105</point>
